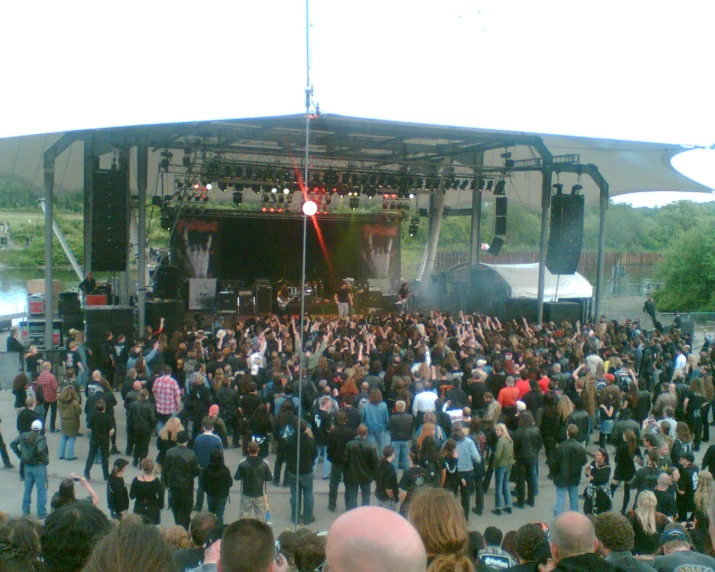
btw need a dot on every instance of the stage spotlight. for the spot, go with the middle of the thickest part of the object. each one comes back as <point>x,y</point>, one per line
<point>559,188</point>
<point>576,190</point>
<point>424,213</point>
<point>265,199</point>
<point>237,187</point>
<point>414,226</point>
<point>490,184</point>
<point>256,188</point>
<point>274,190</point>
<point>371,192</point>
<point>465,183</point>
<point>354,203</point>
<point>227,171</point>
<point>264,209</point>
<point>310,208</point>
<point>197,186</point>
<point>286,191</point>
<point>223,187</point>
<point>411,194</point>
<point>500,187</point>
<point>209,186</point>
<point>238,197</point>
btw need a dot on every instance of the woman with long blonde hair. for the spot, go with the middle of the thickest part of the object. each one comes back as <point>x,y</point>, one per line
<point>167,438</point>
<point>440,522</point>
<point>704,492</point>
<point>647,524</point>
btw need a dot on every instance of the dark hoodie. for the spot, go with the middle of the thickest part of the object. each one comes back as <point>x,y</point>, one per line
<point>216,478</point>
<point>31,447</point>
<point>584,563</point>
<point>253,472</point>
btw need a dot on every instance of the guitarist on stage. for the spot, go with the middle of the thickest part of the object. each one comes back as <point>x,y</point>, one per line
<point>403,294</point>
<point>283,299</point>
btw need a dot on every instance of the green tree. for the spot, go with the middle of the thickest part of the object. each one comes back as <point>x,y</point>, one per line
<point>688,272</point>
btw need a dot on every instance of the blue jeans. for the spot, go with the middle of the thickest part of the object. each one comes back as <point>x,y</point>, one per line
<point>501,476</point>
<point>402,455</point>
<point>35,475</point>
<point>305,494</point>
<point>67,442</point>
<point>379,439</point>
<point>351,495</point>
<point>561,499</point>
<point>217,505</point>
<point>322,452</point>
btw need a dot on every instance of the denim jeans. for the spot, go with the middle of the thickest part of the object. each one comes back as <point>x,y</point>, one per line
<point>336,477</point>
<point>380,440</point>
<point>68,443</point>
<point>304,496</point>
<point>351,495</point>
<point>35,475</point>
<point>502,491</point>
<point>322,452</point>
<point>402,455</point>
<point>561,499</point>
<point>526,477</point>
<point>217,505</point>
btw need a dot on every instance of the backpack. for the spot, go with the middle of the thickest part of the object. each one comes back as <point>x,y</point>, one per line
<point>435,474</point>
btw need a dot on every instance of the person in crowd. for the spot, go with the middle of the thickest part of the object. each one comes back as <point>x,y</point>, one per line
<point>647,524</point>
<point>102,426</point>
<point>142,418</point>
<point>117,494</point>
<point>569,458</point>
<point>71,534</point>
<point>131,547</point>
<point>167,395</point>
<point>166,439</point>
<point>400,427</point>
<point>597,496</point>
<point>615,542</point>
<point>677,553</point>
<point>527,442</point>
<point>375,417</point>
<point>215,480</point>
<point>502,462</point>
<point>574,544</point>
<point>31,448</point>
<point>300,459</point>
<point>664,493</point>
<point>253,473</point>
<point>70,413</point>
<point>192,556</point>
<point>686,485</point>
<point>66,492</point>
<point>387,491</point>
<point>530,538</point>
<point>248,544</point>
<point>627,451</point>
<point>285,425</point>
<point>148,494</point>
<point>361,463</point>
<point>493,554</point>
<point>337,442</point>
<point>374,539</point>
<point>48,382</point>
<point>204,445</point>
<point>180,469</point>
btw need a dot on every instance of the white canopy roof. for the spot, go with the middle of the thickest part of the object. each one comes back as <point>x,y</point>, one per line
<point>524,278</point>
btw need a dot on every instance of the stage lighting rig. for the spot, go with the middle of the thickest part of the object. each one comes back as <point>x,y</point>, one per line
<point>558,188</point>
<point>354,203</point>
<point>576,190</point>
<point>414,226</point>
<point>238,197</point>
<point>500,188</point>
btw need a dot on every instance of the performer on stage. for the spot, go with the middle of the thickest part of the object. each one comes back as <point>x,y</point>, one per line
<point>403,294</point>
<point>88,285</point>
<point>344,299</point>
<point>283,299</point>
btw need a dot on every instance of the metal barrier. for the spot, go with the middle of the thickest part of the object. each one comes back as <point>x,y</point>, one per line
<point>666,318</point>
<point>703,318</point>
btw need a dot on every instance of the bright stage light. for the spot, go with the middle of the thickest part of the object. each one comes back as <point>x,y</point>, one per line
<point>208,186</point>
<point>310,208</point>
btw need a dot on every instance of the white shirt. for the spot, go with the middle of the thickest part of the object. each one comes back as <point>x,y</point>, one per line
<point>424,402</point>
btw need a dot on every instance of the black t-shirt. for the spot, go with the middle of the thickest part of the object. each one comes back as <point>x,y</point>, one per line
<point>188,559</point>
<point>666,502</point>
<point>322,423</point>
<point>343,296</point>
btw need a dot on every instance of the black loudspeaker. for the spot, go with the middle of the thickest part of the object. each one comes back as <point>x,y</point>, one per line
<point>171,310</point>
<point>110,224</point>
<point>500,218</point>
<point>166,283</point>
<point>557,312</point>
<point>264,299</point>
<point>102,319</point>
<point>566,236</point>
<point>227,302</point>
<point>495,246</point>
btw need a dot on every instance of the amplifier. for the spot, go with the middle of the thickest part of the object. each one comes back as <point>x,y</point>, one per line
<point>227,302</point>
<point>245,293</point>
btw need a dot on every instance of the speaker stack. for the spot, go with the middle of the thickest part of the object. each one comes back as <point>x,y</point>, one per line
<point>264,296</point>
<point>499,219</point>
<point>166,283</point>
<point>102,319</point>
<point>70,310</point>
<point>171,310</point>
<point>110,220</point>
<point>566,234</point>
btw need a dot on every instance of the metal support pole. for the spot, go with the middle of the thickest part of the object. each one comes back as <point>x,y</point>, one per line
<point>49,290</point>
<point>91,164</point>
<point>123,286</point>
<point>475,250</point>
<point>545,211</point>
<point>603,209</point>
<point>431,248</point>
<point>142,178</point>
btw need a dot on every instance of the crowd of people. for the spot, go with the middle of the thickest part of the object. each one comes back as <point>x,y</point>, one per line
<point>407,407</point>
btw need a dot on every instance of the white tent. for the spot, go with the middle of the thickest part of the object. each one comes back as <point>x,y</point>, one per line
<point>524,278</point>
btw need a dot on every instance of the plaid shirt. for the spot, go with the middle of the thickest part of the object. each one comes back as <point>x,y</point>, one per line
<point>167,393</point>
<point>48,382</point>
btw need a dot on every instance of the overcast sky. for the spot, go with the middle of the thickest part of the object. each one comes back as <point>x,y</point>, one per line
<point>638,70</point>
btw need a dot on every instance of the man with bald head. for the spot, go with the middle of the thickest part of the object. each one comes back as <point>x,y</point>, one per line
<point>573,544</point>
<point>373,539</point>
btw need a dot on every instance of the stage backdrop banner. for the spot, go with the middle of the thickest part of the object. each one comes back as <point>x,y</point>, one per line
<point>380,250</point>
<point>202,293</point>
<point>195,247</point>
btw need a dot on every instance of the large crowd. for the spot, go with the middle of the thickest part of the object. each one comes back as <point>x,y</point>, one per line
<point>425,412</point>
